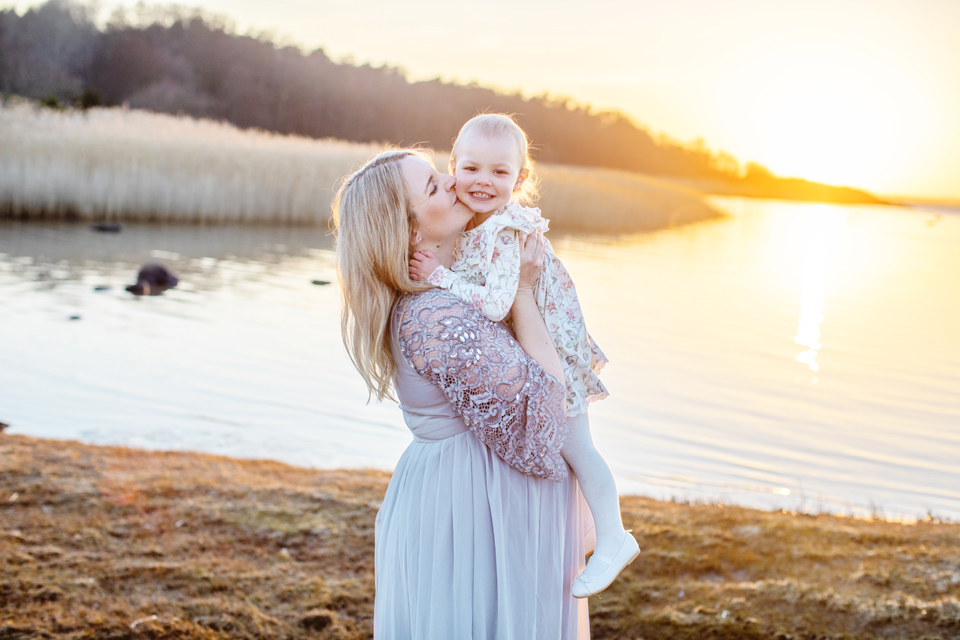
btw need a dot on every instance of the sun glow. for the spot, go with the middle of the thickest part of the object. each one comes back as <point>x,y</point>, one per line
<point>835,114</point>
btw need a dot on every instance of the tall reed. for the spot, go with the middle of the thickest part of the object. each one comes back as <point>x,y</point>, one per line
<point>122,164</point>
<point>137,165</point>
<point>615,201</point>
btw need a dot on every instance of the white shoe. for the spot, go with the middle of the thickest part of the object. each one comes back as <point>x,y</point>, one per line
<point>585,585</point>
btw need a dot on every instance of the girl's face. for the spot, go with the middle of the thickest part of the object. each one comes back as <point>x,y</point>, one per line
<point>488,171</point>
<point>433,198</point>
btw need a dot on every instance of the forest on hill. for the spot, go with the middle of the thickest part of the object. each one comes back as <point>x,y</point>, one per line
<point>172,60</point>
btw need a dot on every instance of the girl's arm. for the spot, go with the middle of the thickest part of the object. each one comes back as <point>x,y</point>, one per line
<point>528,323</point>
<point>494,298</point>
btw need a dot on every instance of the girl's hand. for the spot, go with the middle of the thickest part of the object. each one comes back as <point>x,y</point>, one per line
<point>422,264</point>
<point>532,248</point>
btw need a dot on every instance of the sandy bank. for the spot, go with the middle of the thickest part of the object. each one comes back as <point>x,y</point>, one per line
<point>121,543</point>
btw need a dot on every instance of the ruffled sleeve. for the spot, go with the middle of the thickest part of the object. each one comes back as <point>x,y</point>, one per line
<point>495,296</point>
<point>504,397</point>
<point>523,219</point>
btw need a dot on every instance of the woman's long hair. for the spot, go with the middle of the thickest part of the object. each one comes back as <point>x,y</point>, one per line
<point>373,224</point>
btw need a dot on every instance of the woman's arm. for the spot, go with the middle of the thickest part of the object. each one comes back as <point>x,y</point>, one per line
<point>528,323</point>
<point>505,398</point>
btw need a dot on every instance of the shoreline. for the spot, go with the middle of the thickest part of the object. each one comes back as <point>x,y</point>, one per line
<point>109,541</point>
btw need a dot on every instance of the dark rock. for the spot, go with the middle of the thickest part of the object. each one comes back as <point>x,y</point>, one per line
<point>321,282</point>
<point>106,227</point>
<point>101,287</point>
<point>74,318</point>
<point>152,280</point>
<point>3,426</point>
<point>318,619</point>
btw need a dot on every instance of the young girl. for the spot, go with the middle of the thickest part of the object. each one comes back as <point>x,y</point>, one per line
<point>492,165</point>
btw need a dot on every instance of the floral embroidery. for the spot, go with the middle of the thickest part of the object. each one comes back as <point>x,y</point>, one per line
<point>486,273</point>
<point>436,278</point>
<point>505,398</point>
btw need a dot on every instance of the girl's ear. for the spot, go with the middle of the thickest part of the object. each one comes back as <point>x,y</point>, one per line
<point>521,178</point>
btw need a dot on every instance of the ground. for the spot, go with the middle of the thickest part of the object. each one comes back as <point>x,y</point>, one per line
<point>107,542</point>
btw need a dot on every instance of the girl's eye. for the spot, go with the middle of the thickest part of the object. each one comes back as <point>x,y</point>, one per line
<point>434,190</point>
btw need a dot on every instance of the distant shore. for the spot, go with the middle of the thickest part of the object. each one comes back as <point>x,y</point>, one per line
<point>776,188</point>
<point>116,542</point>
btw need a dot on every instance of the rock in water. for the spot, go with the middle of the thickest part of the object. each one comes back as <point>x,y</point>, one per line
<point>152,280</point>
<point>107,227</point>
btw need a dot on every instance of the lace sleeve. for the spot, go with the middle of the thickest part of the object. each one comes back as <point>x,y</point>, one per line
<point>506,399</point>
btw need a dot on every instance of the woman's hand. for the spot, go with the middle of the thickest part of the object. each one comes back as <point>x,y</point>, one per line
<point>532,248</point>
<point>528,324</point>
<point>422,264</point>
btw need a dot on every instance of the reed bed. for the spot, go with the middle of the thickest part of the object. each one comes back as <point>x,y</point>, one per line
<point>121,164</point>
<point>131,165</point>
<point>613,201</point>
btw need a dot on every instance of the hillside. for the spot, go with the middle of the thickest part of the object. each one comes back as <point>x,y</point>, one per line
<point>178,61</point>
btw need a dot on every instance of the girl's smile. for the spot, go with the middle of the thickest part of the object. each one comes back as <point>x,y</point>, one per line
<point>487,172</point>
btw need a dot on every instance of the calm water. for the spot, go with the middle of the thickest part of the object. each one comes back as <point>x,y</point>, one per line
<point>788,356</point>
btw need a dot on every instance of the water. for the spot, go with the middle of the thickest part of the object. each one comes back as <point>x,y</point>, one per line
<point>789,356</point>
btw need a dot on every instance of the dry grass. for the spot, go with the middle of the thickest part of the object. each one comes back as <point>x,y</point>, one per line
<point>612,201</point>
<point>122,164</point>
<point>97,539</point>
<point>115,543</point>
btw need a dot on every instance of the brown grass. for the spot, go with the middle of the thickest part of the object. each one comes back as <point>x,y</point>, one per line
<point>109,542</point>
<point>134,165</point>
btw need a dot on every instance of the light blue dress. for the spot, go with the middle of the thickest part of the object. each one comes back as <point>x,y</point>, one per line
<point>481,531</point>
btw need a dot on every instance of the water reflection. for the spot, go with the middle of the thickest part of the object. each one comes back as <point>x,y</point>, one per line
<point>822,232</point>
<point>244,357</point>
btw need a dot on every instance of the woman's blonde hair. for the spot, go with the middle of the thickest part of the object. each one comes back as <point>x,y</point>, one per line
<point>494,125</point>
<point>373,223</point>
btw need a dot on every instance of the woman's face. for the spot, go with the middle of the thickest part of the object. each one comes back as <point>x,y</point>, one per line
<point>433,198</point>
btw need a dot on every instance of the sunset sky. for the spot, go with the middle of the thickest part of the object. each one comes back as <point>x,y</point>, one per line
<point>858,92</point>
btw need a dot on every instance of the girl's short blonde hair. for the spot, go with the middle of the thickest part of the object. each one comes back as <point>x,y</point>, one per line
<point>373,223</point>
<point>500,124</point>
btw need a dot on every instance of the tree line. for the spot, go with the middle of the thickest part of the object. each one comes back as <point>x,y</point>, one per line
<point>178,61</point>
<point>175,60</point>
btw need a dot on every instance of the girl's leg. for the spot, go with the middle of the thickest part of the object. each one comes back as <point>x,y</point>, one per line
<point>598,486</point>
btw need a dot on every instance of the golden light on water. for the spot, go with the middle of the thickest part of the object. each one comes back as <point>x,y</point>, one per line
<point>822,228</point>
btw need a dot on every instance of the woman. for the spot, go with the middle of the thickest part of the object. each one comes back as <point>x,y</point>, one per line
<point>480,533</point>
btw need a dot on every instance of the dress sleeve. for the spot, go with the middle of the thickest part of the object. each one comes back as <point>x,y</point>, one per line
<point>505,398</point>
<point>494,298</point>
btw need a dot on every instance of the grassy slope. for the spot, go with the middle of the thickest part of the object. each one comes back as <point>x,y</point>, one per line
<point>117,543</point>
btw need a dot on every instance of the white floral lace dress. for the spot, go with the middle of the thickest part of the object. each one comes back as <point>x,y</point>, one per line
<point>481,531</point>
<point>486,273</point>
